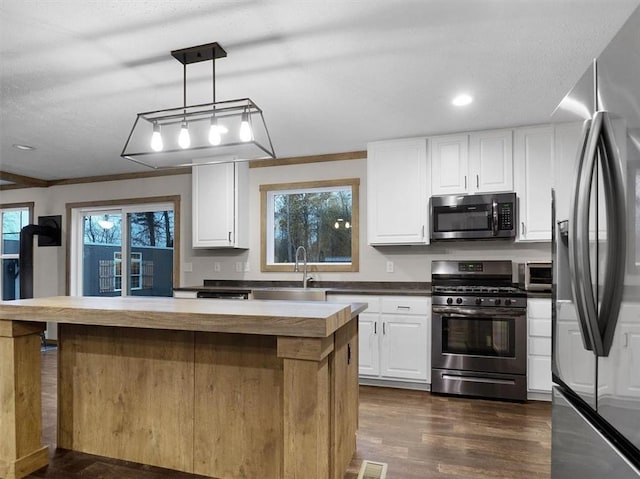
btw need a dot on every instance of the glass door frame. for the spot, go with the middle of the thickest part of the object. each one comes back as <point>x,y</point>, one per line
<point>75,213</point>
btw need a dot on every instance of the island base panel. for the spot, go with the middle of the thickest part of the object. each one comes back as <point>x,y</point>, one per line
<point>222,405</point>
<point>238,407</point>
<point>127,393</point>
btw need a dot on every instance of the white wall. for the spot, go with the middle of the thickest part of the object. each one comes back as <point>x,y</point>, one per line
<point>411,263</point>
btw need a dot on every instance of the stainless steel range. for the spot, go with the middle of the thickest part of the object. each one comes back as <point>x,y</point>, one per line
<point>479,330</point>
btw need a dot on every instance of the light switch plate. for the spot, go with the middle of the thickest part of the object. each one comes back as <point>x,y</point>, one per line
<point>216,266</point>
<point>389,266</point>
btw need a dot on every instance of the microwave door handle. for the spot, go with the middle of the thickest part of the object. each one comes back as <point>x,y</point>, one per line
<point>494,212</point>
<point>576,240</point>
<point>616,239</point>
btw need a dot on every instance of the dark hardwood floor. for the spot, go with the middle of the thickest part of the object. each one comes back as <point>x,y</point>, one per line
<point>419,435</point>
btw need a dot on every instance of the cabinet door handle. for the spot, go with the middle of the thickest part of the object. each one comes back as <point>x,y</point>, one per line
<point>478,181</point>
<point>348,353</point>
<point>375,327</point>
<point>465,182</point>
<point>384,329</point>
<point>625,343</point>
<point>523,228</point>
<point>229,236</point>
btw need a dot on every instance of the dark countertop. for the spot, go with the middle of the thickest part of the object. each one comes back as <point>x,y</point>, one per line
<point>377,288</point>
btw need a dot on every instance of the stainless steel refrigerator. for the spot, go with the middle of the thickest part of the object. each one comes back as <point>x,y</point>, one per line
<point>596,268</point>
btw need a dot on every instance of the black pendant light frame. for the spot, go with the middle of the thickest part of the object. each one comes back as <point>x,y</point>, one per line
<point>137,149</point>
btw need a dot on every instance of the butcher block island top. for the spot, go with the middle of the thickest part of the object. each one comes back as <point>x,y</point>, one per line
<point>225,389</point>
<point>304,319</point>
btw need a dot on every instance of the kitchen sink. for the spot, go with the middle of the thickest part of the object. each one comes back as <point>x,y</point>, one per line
<point>291,294</point>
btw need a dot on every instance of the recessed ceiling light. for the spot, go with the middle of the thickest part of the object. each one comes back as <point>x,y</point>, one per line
<point>24,147</point>
<point>462,100</point>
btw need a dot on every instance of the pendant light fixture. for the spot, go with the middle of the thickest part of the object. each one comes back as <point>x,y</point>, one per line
<point>216,132</point>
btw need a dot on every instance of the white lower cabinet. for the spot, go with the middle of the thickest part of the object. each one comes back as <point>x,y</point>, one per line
<point>404,346</point>
<point>539,342</point>
<point>369,356</point>
<point>394,334</point>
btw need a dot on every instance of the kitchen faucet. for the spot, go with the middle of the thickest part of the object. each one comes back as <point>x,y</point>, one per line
<point>296,268</point>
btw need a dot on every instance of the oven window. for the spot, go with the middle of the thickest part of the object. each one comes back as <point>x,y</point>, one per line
<point>463,221</point>
<point>479,336</point>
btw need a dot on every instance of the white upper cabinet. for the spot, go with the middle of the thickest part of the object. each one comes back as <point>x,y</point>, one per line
<point>397,192</point>
<point>220,197</point>
<point>533,180</point>
<point>491,161</point>
<point>471,163</point>
<point>449,164</point>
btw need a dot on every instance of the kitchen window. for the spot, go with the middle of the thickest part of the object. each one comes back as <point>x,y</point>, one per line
<point>13,217</point>
<point>322,216</point>
<point>127,249</point>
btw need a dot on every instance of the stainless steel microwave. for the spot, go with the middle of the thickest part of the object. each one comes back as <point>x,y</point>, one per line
<point>487,216</point>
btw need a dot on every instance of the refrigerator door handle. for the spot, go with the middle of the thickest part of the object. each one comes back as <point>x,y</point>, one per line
<point>616,239</point>
<point>576,240</point>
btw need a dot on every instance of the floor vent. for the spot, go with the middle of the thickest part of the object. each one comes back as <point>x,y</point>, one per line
<point>373,470</point>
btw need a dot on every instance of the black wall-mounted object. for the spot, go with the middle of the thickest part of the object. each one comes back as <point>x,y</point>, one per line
<point>54,237</point>
<point>49,233</point>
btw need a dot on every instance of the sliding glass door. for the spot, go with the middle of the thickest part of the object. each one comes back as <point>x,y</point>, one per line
<point>123,251</point>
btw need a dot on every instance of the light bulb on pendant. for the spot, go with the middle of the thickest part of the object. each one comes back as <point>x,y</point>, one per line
<point>246,134</point>
<point>347,225</point>
<point>156,138</point>
<point>216,131</point>
<point>184,140</point>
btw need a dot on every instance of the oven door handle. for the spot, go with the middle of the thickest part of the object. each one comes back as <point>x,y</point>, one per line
<point>461,312</point>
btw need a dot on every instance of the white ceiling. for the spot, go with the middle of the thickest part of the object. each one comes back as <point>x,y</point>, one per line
<point>329,75</point>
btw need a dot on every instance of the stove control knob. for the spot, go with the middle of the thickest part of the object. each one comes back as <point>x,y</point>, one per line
<point>478,300</point>
<point>449,300</point>
<point>497,302</point>
<point>507,302</point>
<point>459,300</point>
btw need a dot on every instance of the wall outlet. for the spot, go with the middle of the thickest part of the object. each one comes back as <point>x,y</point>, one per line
<point>187,267</point>
<point>238,266</point>
<point>389,266</point>
<point>216,266</point>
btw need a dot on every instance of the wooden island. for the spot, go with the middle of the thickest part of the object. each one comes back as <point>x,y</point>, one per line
<point>226,389</point>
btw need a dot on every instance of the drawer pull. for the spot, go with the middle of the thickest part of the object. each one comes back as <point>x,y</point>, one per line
<point>406,308</point>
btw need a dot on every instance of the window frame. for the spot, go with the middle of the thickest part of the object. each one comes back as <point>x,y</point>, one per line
<point>353,266</point>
